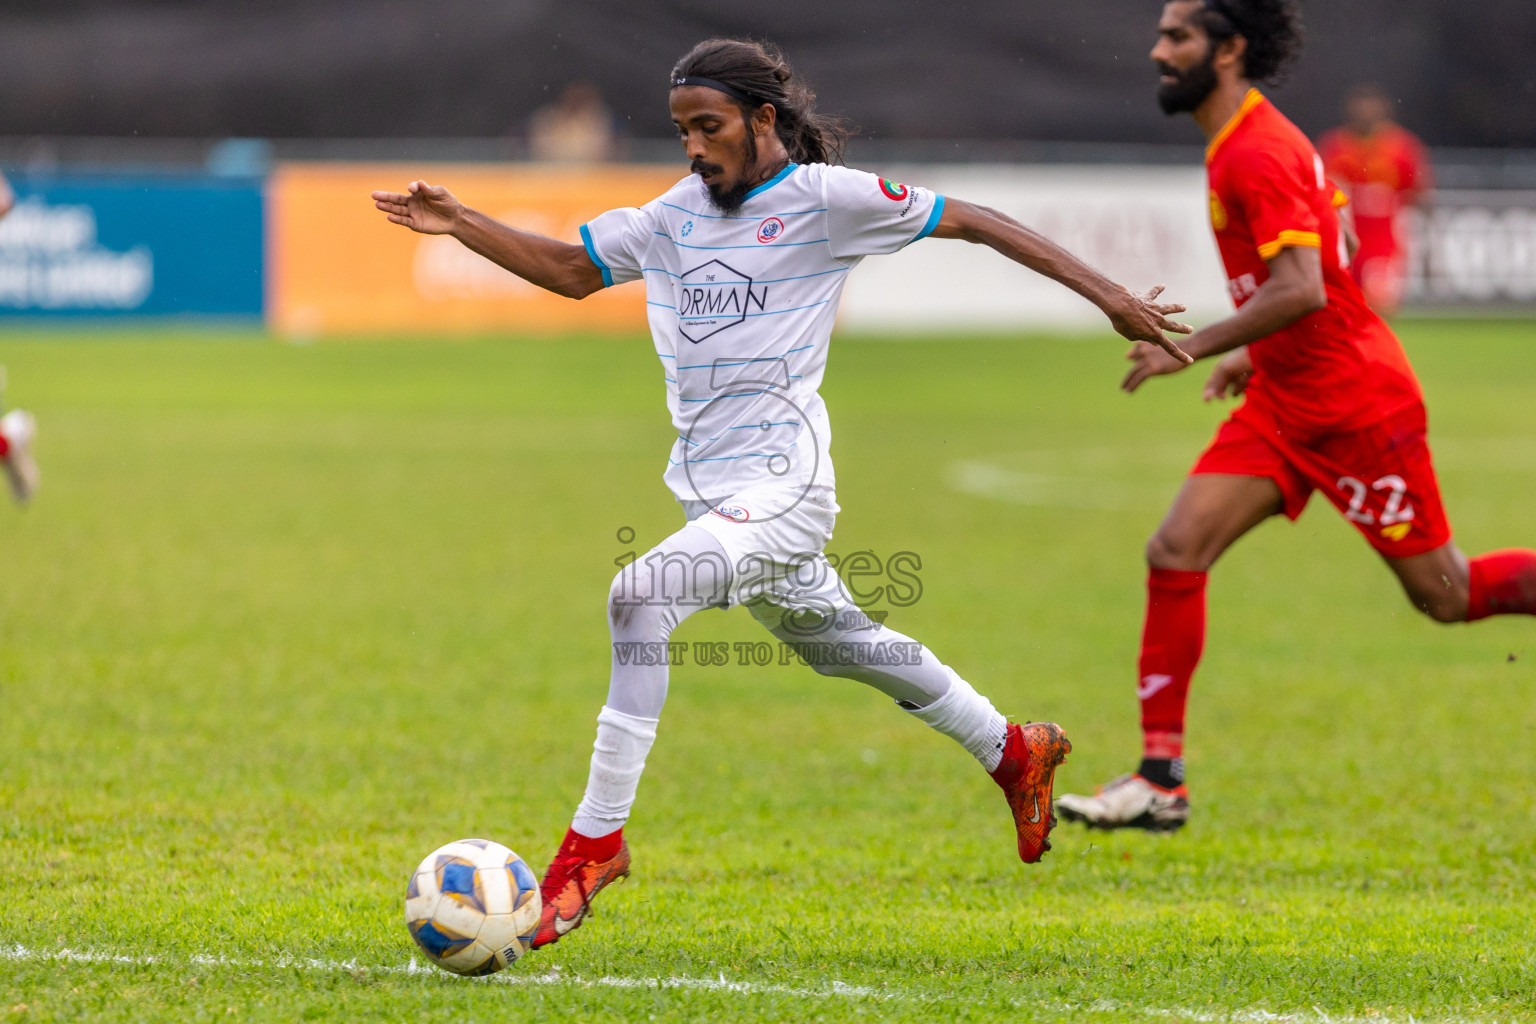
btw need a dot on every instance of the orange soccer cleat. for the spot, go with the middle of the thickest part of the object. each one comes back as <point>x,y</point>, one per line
<point>573,880</point>
<point>1031,755</point>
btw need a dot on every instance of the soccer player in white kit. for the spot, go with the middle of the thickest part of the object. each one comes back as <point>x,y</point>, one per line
<point>17,427</point>
<point>744,261</point>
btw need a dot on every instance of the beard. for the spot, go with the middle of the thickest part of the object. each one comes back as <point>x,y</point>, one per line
<point>729,198</point>
<point>1191,87</point>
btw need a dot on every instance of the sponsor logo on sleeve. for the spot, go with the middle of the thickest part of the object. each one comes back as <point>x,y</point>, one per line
<point>769,230</point>
<point>893,191</point>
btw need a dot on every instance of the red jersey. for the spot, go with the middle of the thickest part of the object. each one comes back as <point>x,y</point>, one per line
<point>1382,172</point>
<point>1340,368</point>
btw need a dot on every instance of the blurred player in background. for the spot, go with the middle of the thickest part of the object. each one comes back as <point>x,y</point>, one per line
<point>1385,172</point>
<point>576,129</point>
<point>744,262</point>
<point>1331,402</point>
<point>17,427</point>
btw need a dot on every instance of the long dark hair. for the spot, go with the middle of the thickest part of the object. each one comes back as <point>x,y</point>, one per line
<point>1273,29</point>
<point>760,71</point>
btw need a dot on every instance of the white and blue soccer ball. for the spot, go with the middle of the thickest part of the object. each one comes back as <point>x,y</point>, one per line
<point>473,907</point>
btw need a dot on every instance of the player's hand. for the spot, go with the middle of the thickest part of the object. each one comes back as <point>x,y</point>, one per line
<point>430,209</point>
<point>1143,319</point>
<point>1230,378</point>
<point>1149,361</point>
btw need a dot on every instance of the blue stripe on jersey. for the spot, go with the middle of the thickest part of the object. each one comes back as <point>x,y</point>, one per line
<point>933,219</point>
<point>729,394</point>
<point>758,359</point>
<point>759,246</point>
<point>793,309</point>
<point>724,216</point>
<point>586,240</point>
<point>770,280</point>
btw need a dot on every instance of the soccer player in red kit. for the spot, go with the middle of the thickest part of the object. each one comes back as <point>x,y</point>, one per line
<point>1331,403</point>
<point>1384,171</point>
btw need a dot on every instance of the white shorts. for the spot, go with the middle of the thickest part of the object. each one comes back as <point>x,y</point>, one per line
<point>777,556</point>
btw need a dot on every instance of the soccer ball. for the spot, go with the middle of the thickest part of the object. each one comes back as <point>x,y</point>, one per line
<point>473,907</point>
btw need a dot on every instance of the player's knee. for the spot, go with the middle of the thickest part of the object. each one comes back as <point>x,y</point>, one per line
<point>1447,607</point>
<point>1447,602</point>
<point>628,610</point>
<point>1170,550</point>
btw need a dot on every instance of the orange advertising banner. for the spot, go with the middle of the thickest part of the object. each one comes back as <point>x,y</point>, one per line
<point>337,266</point>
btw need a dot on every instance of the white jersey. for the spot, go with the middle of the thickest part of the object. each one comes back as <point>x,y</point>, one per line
<point>741,308</point>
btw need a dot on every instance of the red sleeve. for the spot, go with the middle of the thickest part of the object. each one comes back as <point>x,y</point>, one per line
<point>1330,147</point>
<point>1417,175</point>
<point>1276,191</point>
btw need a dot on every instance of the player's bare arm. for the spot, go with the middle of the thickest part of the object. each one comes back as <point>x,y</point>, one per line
<point>1137,317</point>
<point>7,197</point>
<point>1294,290</point>
<point>561,267</point>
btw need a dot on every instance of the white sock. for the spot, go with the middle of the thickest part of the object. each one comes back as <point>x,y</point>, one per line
<point>969,719</point>
<point>618,758</point>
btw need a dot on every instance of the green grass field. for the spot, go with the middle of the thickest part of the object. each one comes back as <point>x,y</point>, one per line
<point>282,620</point>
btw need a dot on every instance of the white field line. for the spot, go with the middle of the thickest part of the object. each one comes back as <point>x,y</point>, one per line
<point>509,977</point>
<point>836,989</point>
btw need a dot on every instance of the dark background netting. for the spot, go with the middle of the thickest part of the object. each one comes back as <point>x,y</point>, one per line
<point>1010,69</point>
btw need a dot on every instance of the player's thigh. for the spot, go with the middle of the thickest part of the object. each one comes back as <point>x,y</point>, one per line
<point>805,603</point>
<point>1211,512</point>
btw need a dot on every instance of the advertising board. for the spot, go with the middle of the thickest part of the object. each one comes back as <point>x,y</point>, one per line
<point>132,246</point>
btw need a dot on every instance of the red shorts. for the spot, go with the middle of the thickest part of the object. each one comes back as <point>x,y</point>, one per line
<point>1381,478</point>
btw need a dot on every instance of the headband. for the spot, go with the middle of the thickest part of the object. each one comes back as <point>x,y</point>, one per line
<point>710,83</point>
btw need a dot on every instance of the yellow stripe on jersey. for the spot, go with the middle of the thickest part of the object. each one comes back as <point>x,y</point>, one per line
<point>1300,239</point>
<point>1253,99</point>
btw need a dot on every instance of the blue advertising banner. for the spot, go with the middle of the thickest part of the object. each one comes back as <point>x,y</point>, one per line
<point>139,246</point>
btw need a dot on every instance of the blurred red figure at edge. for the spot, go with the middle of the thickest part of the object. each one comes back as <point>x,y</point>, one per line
<point>1385,171</point>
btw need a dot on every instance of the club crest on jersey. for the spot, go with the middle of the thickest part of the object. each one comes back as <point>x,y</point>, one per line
<point>770,229</point>
<point>1218,212</point>
<point>735,513</point>
<point>893,191</point>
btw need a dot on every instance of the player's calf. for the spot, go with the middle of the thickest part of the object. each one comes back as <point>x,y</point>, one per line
<point>1502,583</point>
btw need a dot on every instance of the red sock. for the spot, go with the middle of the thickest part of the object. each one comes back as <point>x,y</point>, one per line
<point>5,447</point>
<point>600,849</point>
<point>1171,644</point>
<point>1503,583</point>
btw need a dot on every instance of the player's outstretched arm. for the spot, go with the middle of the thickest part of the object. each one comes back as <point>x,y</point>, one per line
<point>1294,290</point>
<point>1137,317</point>
<point>562,267</point>
<point>7,197</point>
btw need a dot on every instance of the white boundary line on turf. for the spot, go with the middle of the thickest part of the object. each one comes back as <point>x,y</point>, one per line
<point>721,984</point>
<point>17,953</point>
